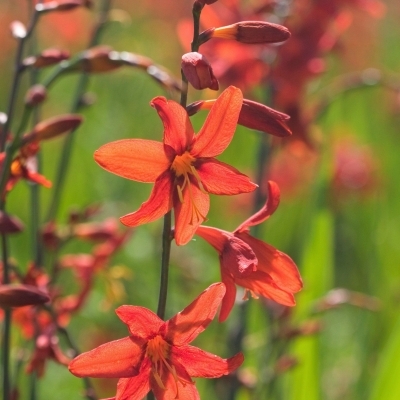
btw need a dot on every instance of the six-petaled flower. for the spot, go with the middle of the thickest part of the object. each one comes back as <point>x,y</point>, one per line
<point>183,167</point>
<point>156,355</point>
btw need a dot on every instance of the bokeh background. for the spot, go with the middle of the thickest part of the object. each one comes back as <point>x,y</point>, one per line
<point>339,215</point>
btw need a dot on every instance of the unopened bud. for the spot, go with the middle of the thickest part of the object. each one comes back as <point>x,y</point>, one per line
<point>252,115</point>
<point>46,58</point>
<point>249,32</point>
<point>99,59</point>
<point>10,224</point>
<point>18,30</point>
<point>61,5</point>
<point>35,95</point>
<point>52,127</point>
<point>198,71</point>
<point>16,295</point>
<point>258,116</point>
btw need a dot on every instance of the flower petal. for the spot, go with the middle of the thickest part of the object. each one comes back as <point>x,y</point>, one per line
<point>214,236</point>
<point>230,296</point>
<point>199,363</point>
<point>141,322</point>
<point>136,159</point>
<point>178,130</point>
<point>190,322</point>
<point>158,204</point>
<point>220,125</point>
<point>269,208</point>
<point>117,359</point>
<point>262,284</point>
<point>189,214</point>
<point>220,178</point>
<point>136,387</point>
<point>178,386</point>
<point>276,264</point>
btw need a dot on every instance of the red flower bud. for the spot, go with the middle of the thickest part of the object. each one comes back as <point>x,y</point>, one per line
<point>101,59</point>
<point>249,32</point>
<point>46,58</point>
<point>198,71</point>
<point>52,127</point>
<point>252,115</point>
<point>61,5</point>
<point>35,95</point>
<point>13,295</point>
<point>10,224</point>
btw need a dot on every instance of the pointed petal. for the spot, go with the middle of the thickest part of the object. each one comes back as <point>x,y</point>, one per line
<point>141,322</point>
<point>199,363</point>
<point>214,236</point>
<point>189,214</point>
<point>279,266</point>
<point>158,204</point>
<point>220,125</point>
<point>136,387</point>
<point>220,178</point>
<point>182,388</point>
<point>269,208</point>
<point>178,130</point>
<point>230,296</point>
<point>117,359</point>
<point>262,284</point>
<point>190,322</point>
<point>136,159</point>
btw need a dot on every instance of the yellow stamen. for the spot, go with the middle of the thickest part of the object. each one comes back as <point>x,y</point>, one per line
<point>252,294</point>
<point>183,166</point>
<point>158,351</point>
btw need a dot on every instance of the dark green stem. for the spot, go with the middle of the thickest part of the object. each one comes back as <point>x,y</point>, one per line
<point>166,250</point>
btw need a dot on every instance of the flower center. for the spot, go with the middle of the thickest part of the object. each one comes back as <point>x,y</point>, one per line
<point>183,166</point>
<point>158,351</point>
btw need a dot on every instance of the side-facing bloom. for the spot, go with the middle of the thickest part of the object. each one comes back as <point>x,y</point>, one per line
<point>156,355</point>
<point>251,263</point>
<point>183,166</point>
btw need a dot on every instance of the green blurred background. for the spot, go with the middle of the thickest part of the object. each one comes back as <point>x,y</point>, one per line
<point>340,236</point>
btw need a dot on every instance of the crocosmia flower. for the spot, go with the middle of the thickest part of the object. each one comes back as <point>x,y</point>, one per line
<point>251,263</point>
<point>183,166</point>
<point>156,355</point>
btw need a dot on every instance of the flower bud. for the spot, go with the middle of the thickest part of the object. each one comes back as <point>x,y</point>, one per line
<point>46,58</point>
<point>18,30</point>
<point>198,71</point>
<point>52,127</point>
<point>101,59</point>
<point>10,224</point>
<point>249,32</point>
<point>252,115</point>
<point>35,95</point>
<point>61,5</point>
<point>16,295</point>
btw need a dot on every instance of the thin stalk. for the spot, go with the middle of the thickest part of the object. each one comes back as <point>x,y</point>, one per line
<point>83,81</point>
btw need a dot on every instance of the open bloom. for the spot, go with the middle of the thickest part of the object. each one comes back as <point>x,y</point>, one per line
<point>251,263</point>
<point>183,166</point>
<point>157,355</point>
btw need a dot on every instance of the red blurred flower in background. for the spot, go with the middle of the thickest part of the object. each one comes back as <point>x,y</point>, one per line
<point>251,263</point>
<point>183,166</point>
<point>157,355</point>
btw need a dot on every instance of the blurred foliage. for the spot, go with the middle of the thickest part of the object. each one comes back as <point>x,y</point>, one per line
<point>339,239</point>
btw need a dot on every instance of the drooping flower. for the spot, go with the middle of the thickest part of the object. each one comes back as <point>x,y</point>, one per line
<point>156,355</point>
<point>251,263</point>
<point>183,166</point>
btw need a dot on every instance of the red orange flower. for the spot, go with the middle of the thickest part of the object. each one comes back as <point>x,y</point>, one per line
<point>251,263</point>
<point>157,355</point>
<point>183,167</point>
